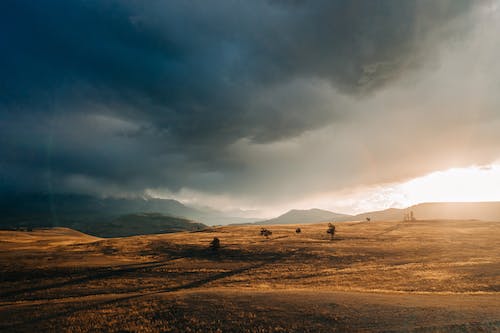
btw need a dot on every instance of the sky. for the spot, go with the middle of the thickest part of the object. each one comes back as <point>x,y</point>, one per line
<point>257,106</point>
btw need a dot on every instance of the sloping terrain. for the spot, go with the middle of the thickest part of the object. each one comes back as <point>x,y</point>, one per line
<point>315,215</point>
<point>430,276</point>
<point>485,211</point>
<point>77,211</point>
<point>141,224</point>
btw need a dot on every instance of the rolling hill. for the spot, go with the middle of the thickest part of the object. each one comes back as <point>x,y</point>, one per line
<point>391,214</point>
<point>314,215</point>
<point>141,224</point>
<point>485,211</point>
<point>133,216</point>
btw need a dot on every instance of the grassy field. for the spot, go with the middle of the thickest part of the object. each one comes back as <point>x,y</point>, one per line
<point>432,276</point>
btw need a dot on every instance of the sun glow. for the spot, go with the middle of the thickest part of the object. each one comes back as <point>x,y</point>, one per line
<point>457,184</point>
<point>470,184</point>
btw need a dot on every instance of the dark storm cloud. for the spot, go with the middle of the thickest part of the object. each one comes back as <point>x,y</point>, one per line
<point>133,94</point>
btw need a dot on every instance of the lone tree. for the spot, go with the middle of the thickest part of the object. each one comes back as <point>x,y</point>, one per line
<point>215,244</point>
<point>265,232</point>
<point>331,230</point>
<point>368,219</point>
<point>298,231</point>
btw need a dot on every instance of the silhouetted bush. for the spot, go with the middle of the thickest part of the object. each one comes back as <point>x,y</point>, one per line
<point>265,232</point>
<point>331,230</point>
<point>215,244</point>
<point>298,231</point>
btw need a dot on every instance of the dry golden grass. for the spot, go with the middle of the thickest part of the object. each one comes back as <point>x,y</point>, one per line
<point>428,275</point>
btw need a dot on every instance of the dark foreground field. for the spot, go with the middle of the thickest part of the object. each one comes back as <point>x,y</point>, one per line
<point>430,276</point>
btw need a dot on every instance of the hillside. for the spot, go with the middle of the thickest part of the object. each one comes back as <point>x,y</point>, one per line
<point>314,215</point>
<point>485,211</point>
<point>103,216</point>
<point>391,214</point>
<point>71,210</point>
<point>141,224</point>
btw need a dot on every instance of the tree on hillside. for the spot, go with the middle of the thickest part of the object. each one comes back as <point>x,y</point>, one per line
<point>331,230</point>
<point>298,231</point>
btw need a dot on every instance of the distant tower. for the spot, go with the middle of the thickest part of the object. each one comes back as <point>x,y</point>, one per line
<point>408,216</point>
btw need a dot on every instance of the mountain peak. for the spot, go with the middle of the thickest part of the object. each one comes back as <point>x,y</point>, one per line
<point>312,215</point>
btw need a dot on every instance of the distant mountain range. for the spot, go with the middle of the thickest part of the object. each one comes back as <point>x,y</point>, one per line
<point>123,217</point>
<point>71,210</point>
<point>487,211</point>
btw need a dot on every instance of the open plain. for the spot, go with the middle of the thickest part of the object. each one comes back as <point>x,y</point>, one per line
<point>423,276</point>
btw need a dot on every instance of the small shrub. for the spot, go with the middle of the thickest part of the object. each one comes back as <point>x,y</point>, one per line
<point>215,244</point>
<point>331,230</point>
<point>265,232</point>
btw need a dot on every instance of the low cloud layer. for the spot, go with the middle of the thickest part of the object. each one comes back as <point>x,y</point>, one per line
<point>244,104</point>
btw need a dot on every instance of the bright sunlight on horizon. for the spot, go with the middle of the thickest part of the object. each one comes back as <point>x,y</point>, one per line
<point>469,184</point>
<point>466,184</point>
<point>472,184</point>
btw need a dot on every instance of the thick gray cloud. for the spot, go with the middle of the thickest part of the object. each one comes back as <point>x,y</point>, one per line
<point>256,100</point>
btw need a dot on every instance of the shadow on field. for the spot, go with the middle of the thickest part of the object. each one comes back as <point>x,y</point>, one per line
<point>96,274</point>
<point>118,271</point>
<point>97,304</point>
